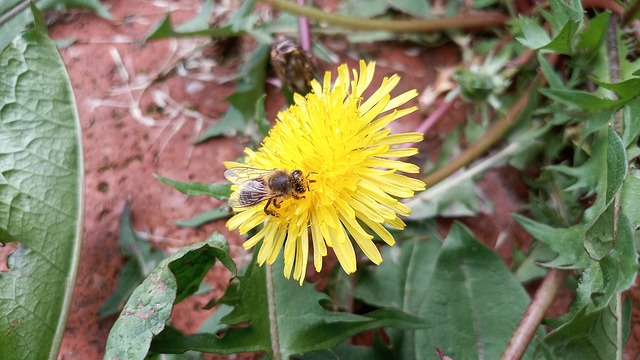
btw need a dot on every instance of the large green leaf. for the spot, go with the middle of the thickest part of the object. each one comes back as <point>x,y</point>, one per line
<point>41,185</point>
<point>150,305</point>
<point>402,282</point>
<point>285,319</point>
<point>473,303</point>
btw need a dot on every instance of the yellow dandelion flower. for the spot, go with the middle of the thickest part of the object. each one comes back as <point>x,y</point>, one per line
<point>346,183</point>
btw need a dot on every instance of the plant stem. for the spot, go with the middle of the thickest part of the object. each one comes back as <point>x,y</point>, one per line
<point>15,11</point>
<point>488,139</point>
<point>613,58</point>
<point>611,40</point>
<point>535,312</point>
<point>305,33</point>
<point>475,20</point>
<point>273,319</point>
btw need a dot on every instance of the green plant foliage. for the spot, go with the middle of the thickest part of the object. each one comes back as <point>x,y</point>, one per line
<point>591,245</point>
<point>204,217</point>
<point>587,336</point>
<point>400,282</point>
<point>41,202</point>
<point>565,20</point>
<point>473,302</point>
<point>149,307</point>
<point>220,191</point>
<point>237,25</point>
<point>243,104</point>
<point>142,258</point>
<point>285,320</point>
<point>455,288</point>
<point>11,28</point>
<point>630,199</point>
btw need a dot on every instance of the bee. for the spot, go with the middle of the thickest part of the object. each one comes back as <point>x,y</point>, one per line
<point>292,64</point>
<point>257,185</point>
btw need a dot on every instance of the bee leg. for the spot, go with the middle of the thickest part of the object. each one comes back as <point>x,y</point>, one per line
<point>269,211</point>
<point>296,196</point>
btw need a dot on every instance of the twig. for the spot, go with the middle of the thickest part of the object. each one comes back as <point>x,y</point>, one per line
<point>435,116</point>
<point>474,20</point>
<point>611,40</point>
<point>542,300</point>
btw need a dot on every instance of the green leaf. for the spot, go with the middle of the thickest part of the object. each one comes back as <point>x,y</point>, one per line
<point>535,37</point>
<point>419,8</point>
<point>608,262</point>
<point>592,37</point>
<point>582,99</point>
<point>150,305</point>
<point>565,22</point>
<point>630,198</point>
<point>296,325</point>
<point>625,259</point>
<point>40,195</point>
<point>364,9</point>
<point>261,119</point>
<point>401,281</point>
<point>439,200</point>
<point>628,88</point>
<point>204,217</point>
<point>603,172</point>
<point>586,336</point>
<point>631,128</point>
<point>220,191</point>
<point>473,303</point>
<point>244,102</point>
<point>141,259</point>
<point>553,78</point>
<point>198,26</point>
<point>563,41</point>
<point>566,242</point>
<point>529,268</point>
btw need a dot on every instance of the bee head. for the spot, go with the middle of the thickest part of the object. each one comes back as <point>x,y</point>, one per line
<point>300,182</point>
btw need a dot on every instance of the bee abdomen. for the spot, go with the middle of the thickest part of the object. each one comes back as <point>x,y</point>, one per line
<point>280,182</point>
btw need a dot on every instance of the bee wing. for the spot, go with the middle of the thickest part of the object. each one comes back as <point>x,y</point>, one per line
<point>250,193</point>
<point>240,175</point>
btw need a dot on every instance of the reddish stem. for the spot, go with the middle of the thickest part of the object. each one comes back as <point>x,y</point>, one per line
<point>305,33</point>
<point>529,323</point>
<point>433,118</point>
